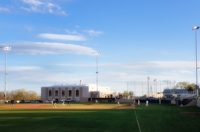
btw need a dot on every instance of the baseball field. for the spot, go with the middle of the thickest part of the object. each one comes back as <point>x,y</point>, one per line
<point>103,117</point>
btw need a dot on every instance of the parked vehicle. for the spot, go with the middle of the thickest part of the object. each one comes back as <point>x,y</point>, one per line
<point>36,101</point>
<point>48,101</point>
<point>32,101</point>
<point>22,101</point>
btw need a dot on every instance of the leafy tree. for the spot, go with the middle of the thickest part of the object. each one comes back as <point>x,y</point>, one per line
<point>125,94</point>
<point>182,85</point>
<point>131,94</point>
<point>191,87</point>
<point>186,85</point>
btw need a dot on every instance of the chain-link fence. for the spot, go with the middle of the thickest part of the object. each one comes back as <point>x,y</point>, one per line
<point>149,87</point>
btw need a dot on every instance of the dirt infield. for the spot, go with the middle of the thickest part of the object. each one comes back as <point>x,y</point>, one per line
<point>60,106</point>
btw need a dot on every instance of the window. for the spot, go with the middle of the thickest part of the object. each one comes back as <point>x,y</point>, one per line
<point>70,93</point>
<point>49,92</point>
<point>56,92</point>
<point>77,93</point>
<point>63,93</point>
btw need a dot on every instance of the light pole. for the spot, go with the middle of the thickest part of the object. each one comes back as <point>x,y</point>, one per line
<point>127,88</point>
<point>5,48</point>
<point>142,87</point>
<point>155,87</point>
<point>148,78</point>
<point>197,88</point>
<point>97,54</point>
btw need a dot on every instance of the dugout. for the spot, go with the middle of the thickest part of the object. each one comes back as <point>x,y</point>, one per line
<point>101,99</point>
<point>154,101</point>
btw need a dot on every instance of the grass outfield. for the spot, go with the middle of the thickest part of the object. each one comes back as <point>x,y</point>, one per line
<point>155,118</point>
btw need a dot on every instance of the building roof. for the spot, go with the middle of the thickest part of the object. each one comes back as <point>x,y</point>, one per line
<point>73,85</point>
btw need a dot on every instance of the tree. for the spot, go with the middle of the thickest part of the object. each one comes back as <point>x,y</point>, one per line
<point>186,85</point>
<point>21,94</point>
<point>191,87</point>
<point>30,95</point>
<point>182,85</point>
<point>125,94</point>
<point>131,94</point>
<point>1,95</point>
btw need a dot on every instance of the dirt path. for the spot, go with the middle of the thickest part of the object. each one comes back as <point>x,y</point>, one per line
<point>60,106</point>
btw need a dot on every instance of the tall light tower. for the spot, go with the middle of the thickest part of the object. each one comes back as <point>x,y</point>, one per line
<point>155,87</point>
<point>148,78</point>
<point>5,48</point>
<point>142,87</point>
<point>197,88</point>
<point>97,54</point>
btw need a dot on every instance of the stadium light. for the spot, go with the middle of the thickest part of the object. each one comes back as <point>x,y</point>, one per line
<point>5,48</point>
<point>148,78</point>
<point>97,54</point>
<point>197,87</point>
<point>142,87</point>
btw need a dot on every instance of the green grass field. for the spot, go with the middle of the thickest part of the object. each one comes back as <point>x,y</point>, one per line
<point>155,118</point>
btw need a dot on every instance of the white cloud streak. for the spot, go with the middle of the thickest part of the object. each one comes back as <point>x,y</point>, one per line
<point>23,68</point>
<point>2,9</point>
<point>49,48</point>
<point>93,32</point>
<point>155,64</point>
<point>143,67</point>
<point>62,37</point>
<point>33,74</point>
<point>186,72</point>
<point>138,71</point>
<point>42,7</point>
<point>71,32</point>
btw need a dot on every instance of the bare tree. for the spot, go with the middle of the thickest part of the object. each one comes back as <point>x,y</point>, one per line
<point>1,95</point>
<point>20,94</point>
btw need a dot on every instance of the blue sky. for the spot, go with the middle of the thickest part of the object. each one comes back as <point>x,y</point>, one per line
<point>53,41</point>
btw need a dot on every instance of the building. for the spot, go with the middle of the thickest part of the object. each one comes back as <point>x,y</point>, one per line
<point>78,92</point>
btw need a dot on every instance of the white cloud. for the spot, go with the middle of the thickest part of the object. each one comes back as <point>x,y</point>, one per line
<point>93,33</point>
<point>144,67</point>
<point>62,37</point>
<point>138,71</point>
<point>71,32</point>
<point>2,9</point>
<point>49,48</point>
<point>33,2</point>
<point>159,64</point>
<point>186,72</point>
<point>33,74</point>
<point>42,6</point>
<point>23,68</point>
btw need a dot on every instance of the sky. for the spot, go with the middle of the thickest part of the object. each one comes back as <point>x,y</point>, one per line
<point>54,41</point>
